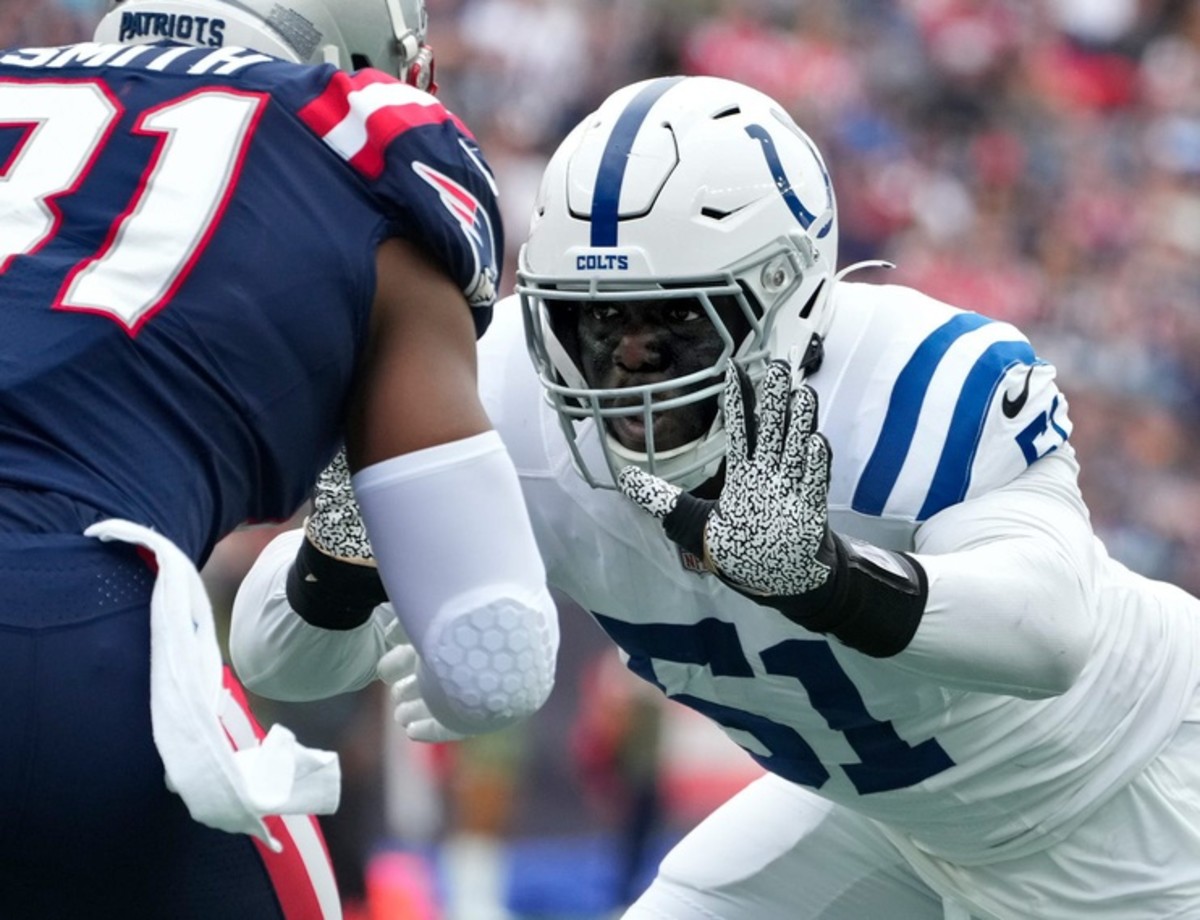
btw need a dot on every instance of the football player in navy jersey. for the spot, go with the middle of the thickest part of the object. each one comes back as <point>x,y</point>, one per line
<point>878,575</point>
<point>236,235</point>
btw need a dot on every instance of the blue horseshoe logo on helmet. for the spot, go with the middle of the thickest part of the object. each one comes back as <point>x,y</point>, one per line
<point>795,205</point>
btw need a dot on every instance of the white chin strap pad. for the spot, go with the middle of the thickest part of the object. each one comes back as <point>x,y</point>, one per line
<point>457,555</point>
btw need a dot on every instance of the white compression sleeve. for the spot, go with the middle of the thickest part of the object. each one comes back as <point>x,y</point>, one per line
<point>1012,604</point>
<point>457,555</point>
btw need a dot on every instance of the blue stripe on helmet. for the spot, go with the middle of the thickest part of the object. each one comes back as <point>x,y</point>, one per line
<point>606,201</point>
<point>784,184</point>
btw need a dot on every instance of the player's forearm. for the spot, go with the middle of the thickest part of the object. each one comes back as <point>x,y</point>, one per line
<point>457,555</point>
<point>1010,579</point>
<point>279,655</point>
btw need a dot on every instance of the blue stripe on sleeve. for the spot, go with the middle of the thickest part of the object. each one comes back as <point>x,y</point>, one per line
<point>605,203</point>
<point>895,438</point>
<point>953,474</point>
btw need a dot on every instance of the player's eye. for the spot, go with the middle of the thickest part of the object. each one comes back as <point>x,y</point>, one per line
<point>601,312</point>
<point>684,313</point>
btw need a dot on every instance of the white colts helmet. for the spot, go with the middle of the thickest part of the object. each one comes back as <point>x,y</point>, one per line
<point>678,187</point>
<point>388,35</point>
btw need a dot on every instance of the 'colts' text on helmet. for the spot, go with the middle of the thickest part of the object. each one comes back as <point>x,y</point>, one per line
<point>678,188</point>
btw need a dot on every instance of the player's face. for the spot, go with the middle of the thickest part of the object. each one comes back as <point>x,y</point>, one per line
<point>632,343</point>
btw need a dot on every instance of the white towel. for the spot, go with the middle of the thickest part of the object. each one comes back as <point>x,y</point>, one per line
<point>222,788</point>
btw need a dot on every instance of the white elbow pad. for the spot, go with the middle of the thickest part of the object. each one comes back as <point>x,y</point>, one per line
<point>457,555</point>
<point>490,665</point>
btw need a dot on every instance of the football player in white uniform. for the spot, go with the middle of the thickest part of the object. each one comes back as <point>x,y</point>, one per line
<point>881,579</point>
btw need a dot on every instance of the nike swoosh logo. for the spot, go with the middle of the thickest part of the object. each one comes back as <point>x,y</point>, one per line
<point>1012,407</point>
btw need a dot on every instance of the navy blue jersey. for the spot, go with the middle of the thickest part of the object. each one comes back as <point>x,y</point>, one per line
<point>187,241</point>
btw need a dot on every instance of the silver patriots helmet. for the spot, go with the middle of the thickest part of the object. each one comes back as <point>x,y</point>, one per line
<point>388,35</point>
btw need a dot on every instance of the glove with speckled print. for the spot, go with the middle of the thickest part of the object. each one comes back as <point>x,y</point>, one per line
<point>335,526</point>
<point>334,583</point>
<point>768,533</point>
<point>768,537</point>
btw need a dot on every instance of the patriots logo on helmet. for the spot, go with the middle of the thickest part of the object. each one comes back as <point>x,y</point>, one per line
<point>475,223</point>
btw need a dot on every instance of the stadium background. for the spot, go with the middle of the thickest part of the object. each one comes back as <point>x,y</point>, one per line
<point>1035,161</point>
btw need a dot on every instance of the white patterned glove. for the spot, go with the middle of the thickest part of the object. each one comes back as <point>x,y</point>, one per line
<point>334,583</point>
<point>335,526</point>
<point>768,534</point>
<point>400,669</point>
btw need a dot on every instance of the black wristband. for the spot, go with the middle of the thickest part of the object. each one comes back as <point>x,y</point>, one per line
<point>332,593</point>
<point>684,524</point>
<point>873,601</point>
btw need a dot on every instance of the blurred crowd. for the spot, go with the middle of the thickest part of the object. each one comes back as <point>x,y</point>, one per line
<point>1034,160</point>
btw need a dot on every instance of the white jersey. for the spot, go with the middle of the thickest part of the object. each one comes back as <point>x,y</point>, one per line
<point>1043,675</point>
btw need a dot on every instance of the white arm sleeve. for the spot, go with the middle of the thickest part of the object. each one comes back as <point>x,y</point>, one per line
<point>456,553</point>
<point>278,655</point>
<point>1012,595</point>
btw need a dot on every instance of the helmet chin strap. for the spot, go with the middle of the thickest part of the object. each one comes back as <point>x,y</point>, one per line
<point>806,364</point>
<point>810,362</point>
<point>634,456</point>
<point>421,71</point>
<point>702,474</point>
